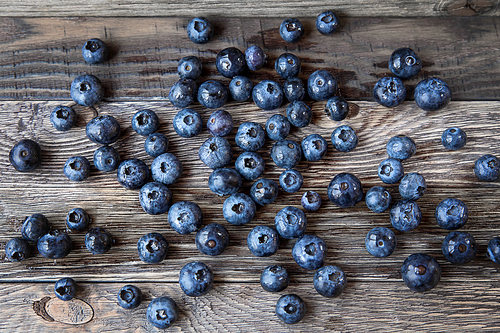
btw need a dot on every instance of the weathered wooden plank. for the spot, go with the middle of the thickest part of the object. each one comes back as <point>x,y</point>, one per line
<point>39,57</point>
<point>448,174</point>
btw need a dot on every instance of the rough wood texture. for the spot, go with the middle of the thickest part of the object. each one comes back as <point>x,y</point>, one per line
<point>40,57</point>
<point>252,8</point>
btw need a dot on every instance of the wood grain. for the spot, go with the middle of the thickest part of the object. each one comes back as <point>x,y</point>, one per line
<point>39,57</point>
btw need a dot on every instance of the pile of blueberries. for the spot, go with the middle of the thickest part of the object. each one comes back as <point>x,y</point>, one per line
<point>420,272</point>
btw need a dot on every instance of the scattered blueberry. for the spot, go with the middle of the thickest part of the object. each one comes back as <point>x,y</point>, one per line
<point>185,217</point>
<point>412,186</point>
<point>330,281</point>
<point>274,278</point>
<point>299,114</point>
<point>405,63</point>
<point>401,147</point>
<point>327,22</point>
<point>182,93</point>
<point>145,122</point>
<point>212,94</point>
<point>287,65</point>
<point>294,89</point>
<point>132,174</point>
<point>77,168</point>
<point>421,272</point>
<point>378,199</point>
<point>255,58</point>
<point>155,198</point>
<point>290,222</point>
<point>493,250</point>
<point>220,123</point>
<point>95,51</point>
<point>34,227</point>
<point>432,94</point>
<point>156,144</point>
<point>264,191</point>
<point>54,245</point>
<point>77,219</point>
<point>212,239</point>
<point>250,136</point>
<point>166,169</point>
<point>63,118</point>
<point>196,279</point>
<point>344,138</point>
<point>129,297</point>
<point>250,165</point>
<point>389,91</point>
<point>162,312</point>
<point>286,153</point>
<point>380,242</point>
<point>309,252</point>
<point>337,108</point>
<point>65,289</point>
<point>454,138</point>
<point>17,249</point>
<point>321,85</point>
<point>405,215</point>
<point>345,190</point>
<point>215,152</point>
<point>263,241</point>
<point>267,95</point>
<point>152,248</point>
<point>224,181</point>
<point>390,171</point>
<point>241,88</point>
<point>459,247</point>
<point>290,309</point>
<point>451,214</point>
<point>106,158</point>
<point>239,209</point>
<point>189,68</point>
<point>291,30</point>
<point>98,240</point>
<point>277,127</point>
<point>200,30</point>
<point>291,180</point>
<point>487,168</point>
<point>187,123</point>
<point>86,90</point>
<point>26,155</point>
<point>103,130</point>
<point>311,201</point>
<point>230,62</point>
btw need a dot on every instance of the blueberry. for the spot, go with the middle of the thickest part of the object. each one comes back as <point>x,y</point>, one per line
<point>287,65</point>
<point>487,168</point>
<point>230,62</point>
<point>405,63</point>
<point>34,227</point>
<point>95,51</point>
<point>290,222</point>
<point>294,89</point>
<point>63,118</point>
<point>145,122</point>
<point>98,240</point>
<point>65,289</point>
<point>277,127</point>
<point>77,168</point>
<point>241,88</point>
<point>345,190</point>
<point>162,312</point>
<point>327,22</point>
<point>274,278</point>
<point>421,272</point>
<point>330,281</point>
<point>220,123</point>
<point>405,215</point>
<point>401,147</point>
<point>189,68</point>
<point>54,245</point>
<point>344,138</point>
<point>212,239</point>
<point>267,95</point>
<point>17,249</point>
<point>337,108</point>
<point>493,250</point>
<point>77,219</point>
<point>182,93</point>
<point>152,248</point>
<point>215,152</point>
<point>187,123</point>
<point>453,138</point>
<point>132,174</point>
<point>103,130</point>
<point>390,171</point>
<point>299,114</point>
<point>129,297</point>
<point>200,30</point>
<point>196,279</point>
<point>239,209</point>
<point>212,94</point>
<point>380,242</point>
<point>155,198</point>
<point>309,252</point>
<point>250,165</point>
<point>321,85</point>
<point>156,144</point>
<point>264,191</point>
<point>290,309</point>
<point>432,94</point>
<point>250,136</point>
<point>263,241</point>
<point>412,186</point>
<point>106,158</point>
<point>286,154</point>
<point>378,199</point>
<point>389,91</point>
<point>26,155</point>
<point>451,214</point>
<point>224,181</point>
<point>185,217</point>
<point>291,180</point>
<point>166,169</point>
<point>311,201</point>
<point>86,90</point>
<point>291,30</point>
<point>459,247</point>
<point>255,58</point>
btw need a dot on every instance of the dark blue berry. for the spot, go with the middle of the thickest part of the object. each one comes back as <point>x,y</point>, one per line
<point>330,281</point>
<point>291,180</point>
<point>95,51</point>
<point>196,279</point>
<point>493,250</point>
<point>166,169</point>
<point>267,95</point>
<point>378,199</point>
<point>291,30</point>
<point>299,114</point>
<point>286,154</point>
<point>187,123</point>
<point>337,108</point>
<point>294,89</point>
<point>255,58</point>
<point>152,248</point>
<point>290,222</point>
<point>98,240</point>
<point>132,174</point>
<point>189,68</point>
<point>155,198</point>
<point>212,239</point>
<point>405,63</point>
<point>390,171</point>
<point>145,122</point>
<point>200,30</point>
<point>86,90</point>
<point>321,85</point>
<point>239,209</point>
<point>156,144</point>
<point>401,147</point>
<point>103,130</point>
<point>162,312</point>
<point>215,152</point>
<point>185,217</point>
<point>380,242</point>
<point>241,88</point>
<point>459,247</point>
<point>77,219</point>
<point>129,297</point>
<point>230,62</point>
<point>77,168</point>
<point>182,93</point>
<point>327,22</point>
<point>287,65</point>
<point>54,245</point>
<point>250,165</point>
<point>263,241</point>
<point>63,118</point>
<point>454,138</point>
<point>309,252</point>
<point>277,127</point>
<point>224,181</point>
<point>432,94</point>
<point>106,158</point>
<point>290,309</point>
<point>344,138</point>
<point>34,227</point>
<point>17,249</point>
<point>26,155</point>
<point>389,91</point>
<point>250,136</point>
<point>345,190</point>
<point>220,123</point>
<point>274,278</point>
<point>311,201</point>
<point>405,215</point>
<point>264,191</point>
<point>412,186</point>
<point>421,272</point>
<point>65,289</point>
<point>487,168</point>
<point>212,94</point>
<point>451,214</point>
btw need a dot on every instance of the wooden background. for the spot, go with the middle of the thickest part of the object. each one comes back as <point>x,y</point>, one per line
<point>40,43</point>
